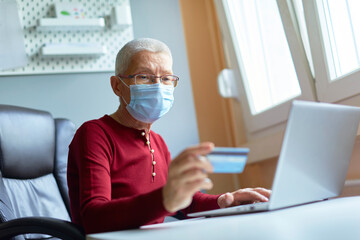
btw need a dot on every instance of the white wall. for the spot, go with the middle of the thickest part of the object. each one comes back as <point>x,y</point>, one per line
<point>81,97</point>
<point>178,127</point>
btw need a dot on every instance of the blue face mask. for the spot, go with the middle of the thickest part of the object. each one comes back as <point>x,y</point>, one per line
<point>149,102</point>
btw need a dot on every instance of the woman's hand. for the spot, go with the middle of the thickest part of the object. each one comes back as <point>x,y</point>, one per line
<point>188,173</point>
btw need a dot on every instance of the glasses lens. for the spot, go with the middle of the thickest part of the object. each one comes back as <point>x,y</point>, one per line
<point>143,79</point>
<point>169,80</point>
<point>151,79</point>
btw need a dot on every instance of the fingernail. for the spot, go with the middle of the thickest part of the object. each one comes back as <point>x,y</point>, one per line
<point>207,180</point>
<point>202,158</point>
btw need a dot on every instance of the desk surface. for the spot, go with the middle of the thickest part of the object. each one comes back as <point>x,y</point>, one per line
<point>332,219</point>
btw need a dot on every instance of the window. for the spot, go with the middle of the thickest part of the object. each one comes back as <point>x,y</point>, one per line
<point>267,68</point>
<point>334,33</point>
<point>282,50</point>
<point>340,27</point>
<point>268,57</point>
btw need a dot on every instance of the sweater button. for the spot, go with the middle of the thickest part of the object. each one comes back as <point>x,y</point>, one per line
<point>153,174</point>
<point>154,162</point>
<point>143,134</point>
<point>152,150</point>
<point>147,142</point>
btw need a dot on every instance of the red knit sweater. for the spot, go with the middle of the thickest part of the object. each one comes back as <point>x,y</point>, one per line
<point>110,178</point>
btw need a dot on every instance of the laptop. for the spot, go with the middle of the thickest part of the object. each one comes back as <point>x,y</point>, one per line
<point>314,157</point>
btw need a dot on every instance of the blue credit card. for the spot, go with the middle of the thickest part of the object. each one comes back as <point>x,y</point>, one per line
<point>228,159</point>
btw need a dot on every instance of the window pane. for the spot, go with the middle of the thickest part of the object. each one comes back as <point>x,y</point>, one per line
<point>266,64</point>
<point>340,26</point>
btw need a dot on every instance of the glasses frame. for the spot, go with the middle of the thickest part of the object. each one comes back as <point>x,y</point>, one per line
<point>175,82</point>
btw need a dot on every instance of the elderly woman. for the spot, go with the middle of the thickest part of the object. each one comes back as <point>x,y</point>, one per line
<point>120,173</point>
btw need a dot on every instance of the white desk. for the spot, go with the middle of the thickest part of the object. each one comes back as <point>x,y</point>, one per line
<point>332,219</point>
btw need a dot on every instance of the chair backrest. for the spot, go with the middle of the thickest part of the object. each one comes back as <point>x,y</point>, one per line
<point>33,162</point>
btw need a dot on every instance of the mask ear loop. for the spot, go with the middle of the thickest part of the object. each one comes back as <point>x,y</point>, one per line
<point>127,86</point>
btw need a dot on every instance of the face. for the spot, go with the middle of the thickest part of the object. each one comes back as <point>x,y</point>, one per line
<point>142,62</point>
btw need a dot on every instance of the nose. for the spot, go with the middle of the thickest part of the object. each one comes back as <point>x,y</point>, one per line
<point>157,79</point>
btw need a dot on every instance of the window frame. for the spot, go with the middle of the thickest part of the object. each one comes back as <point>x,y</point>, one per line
<point>343,87</point>
<point>277,114</point>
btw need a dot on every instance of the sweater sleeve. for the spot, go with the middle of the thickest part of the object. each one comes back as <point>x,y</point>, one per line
<point>98,212</point>
<point>109,215</point>
<point>202,202</point>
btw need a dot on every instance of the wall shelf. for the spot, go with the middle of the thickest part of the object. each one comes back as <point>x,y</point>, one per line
<point>73,50</point>
<point>43,28</point>
<point>70,24</point>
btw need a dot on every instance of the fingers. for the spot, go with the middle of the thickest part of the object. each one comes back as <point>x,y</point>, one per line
<point>192,162</point>
<point>263,191</point>
<point>192,158</point>
<point>251,195</point>
<point>176,198</point>
<point>229,199</point>
<point>225,200</point>
<point>187,175</point>
<point>194,186</point>
<point>191,176</point>
<point>201,149</point>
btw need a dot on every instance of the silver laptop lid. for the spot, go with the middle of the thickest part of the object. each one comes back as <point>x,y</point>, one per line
<point>315,154</point>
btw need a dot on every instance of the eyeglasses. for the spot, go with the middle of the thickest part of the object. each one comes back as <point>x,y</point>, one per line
<point>151,79</point>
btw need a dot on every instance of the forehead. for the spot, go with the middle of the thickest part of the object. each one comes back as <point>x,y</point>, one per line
<point>145,60</point>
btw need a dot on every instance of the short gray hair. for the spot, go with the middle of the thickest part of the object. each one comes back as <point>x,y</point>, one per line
<point>142,44</point>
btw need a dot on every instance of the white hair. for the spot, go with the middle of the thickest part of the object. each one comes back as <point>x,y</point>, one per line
<point>142,44</point>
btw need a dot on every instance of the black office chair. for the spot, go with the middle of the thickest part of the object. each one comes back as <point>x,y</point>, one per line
<point>33,188</point>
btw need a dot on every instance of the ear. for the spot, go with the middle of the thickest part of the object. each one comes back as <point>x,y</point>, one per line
<point>115,85</point>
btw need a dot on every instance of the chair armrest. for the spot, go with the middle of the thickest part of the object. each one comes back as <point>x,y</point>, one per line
<point>42,225</point>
